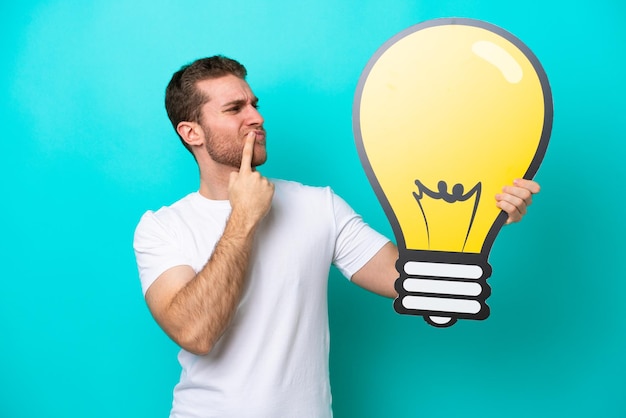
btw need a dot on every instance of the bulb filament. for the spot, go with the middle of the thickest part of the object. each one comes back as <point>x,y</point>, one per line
<point>456,195</point>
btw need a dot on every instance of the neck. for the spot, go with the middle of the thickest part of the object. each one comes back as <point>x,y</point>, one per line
<point>214,179</point>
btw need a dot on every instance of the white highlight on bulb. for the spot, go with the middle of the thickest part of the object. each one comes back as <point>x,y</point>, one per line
<point>500,58</point>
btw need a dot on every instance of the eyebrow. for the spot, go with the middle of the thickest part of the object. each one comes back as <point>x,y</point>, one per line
<point>240,102</point>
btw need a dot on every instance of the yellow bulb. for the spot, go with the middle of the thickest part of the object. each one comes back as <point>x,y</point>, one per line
<point>446,113</point>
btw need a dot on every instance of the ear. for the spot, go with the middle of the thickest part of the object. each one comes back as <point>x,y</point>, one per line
<point>191,133</point>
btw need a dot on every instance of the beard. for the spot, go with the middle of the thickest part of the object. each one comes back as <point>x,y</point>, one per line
<point>227,150</point>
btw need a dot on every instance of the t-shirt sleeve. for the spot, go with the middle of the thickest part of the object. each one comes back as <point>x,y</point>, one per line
<point>156,249</point>
<point>356,241</point>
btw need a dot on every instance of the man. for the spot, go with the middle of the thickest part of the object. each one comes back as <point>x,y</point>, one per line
<point>236,273</point>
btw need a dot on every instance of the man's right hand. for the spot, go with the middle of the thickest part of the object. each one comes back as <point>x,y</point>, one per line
<point>250,194</point>
<point>193,308</point>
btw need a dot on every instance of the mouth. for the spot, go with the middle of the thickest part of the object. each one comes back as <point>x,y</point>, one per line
<point>259,136</point>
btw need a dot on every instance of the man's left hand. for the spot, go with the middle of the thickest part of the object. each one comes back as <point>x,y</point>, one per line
<point>515,199</point>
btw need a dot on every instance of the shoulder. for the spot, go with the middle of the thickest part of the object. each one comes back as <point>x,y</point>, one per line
<point>294,194</point>
<point>296,189</point>
<point>312,200</point>
<point>166,215</point>
<point>180,205</point>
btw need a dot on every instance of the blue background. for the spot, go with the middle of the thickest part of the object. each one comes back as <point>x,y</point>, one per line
<point>86,148</point>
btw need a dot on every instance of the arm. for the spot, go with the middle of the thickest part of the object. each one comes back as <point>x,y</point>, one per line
<point>195,309</point>
<point>379,274</point>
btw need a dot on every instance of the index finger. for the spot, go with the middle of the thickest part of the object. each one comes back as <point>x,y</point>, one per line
<point>530,185</point>
<point>247,153</point>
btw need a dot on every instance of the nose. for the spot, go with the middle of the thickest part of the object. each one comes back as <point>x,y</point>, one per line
<point>254,116</point>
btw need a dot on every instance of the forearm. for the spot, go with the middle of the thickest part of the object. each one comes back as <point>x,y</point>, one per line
<point>201,311</point>
<point>194,309</point>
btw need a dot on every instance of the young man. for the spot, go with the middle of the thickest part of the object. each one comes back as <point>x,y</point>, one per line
<point>236,273</point>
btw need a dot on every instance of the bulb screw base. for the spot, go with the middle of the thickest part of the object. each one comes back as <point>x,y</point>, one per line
<point>442,287</point>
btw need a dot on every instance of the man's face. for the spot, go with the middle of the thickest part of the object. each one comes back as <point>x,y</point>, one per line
<point>229,115</point>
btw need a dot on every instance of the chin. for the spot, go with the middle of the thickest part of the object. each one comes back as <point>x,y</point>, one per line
<point>259,162</point>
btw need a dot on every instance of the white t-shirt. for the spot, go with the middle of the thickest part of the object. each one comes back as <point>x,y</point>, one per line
<point>272,361</point>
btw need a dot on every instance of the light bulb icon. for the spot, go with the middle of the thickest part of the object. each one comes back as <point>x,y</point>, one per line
<point>446,113</point>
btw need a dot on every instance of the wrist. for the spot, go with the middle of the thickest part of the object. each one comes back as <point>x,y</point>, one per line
<point>241,224</point>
